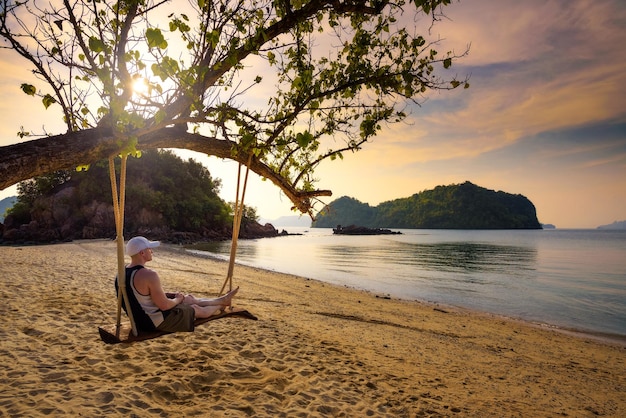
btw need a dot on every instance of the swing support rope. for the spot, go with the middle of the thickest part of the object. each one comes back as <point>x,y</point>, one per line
<point>118,211</point>
<point>238,214</point>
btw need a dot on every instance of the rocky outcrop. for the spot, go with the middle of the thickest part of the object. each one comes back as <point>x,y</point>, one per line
<point>361,230</point>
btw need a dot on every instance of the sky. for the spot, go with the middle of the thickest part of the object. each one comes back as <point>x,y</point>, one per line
<point>545,117</point>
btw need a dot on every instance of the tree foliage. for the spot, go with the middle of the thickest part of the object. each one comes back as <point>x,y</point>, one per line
<point>331,74</point>
<point>460,206</point>
<point>30,190</point>
<point>162,192</point>
<point>183,193</point>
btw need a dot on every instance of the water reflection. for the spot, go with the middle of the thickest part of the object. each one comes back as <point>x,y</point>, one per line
<point>246,250</point>
<point>474,257</point>
<point>450,257</point>
<point>568,278</point>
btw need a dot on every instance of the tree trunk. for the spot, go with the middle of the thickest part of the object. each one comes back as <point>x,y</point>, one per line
<point>33,158</point>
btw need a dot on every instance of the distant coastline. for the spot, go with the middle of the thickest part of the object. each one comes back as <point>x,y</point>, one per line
<point>621,225</point>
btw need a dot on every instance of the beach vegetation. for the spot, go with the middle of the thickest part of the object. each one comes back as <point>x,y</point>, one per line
<point>165,196</point>
<point>279,86</point>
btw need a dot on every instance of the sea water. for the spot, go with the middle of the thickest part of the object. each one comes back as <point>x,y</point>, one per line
<point>572,279</point>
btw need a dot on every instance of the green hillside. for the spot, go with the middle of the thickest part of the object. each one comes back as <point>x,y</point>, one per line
<point>458,206</point>
<point>166,198</point>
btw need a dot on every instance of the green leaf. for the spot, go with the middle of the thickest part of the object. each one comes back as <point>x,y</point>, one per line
<point>48,100</point>
<point>155,38</point>
<point>214,38</point>
<point>22,133</point>
<point>28,89</point>
<point>247,140</point>
<point>303,139</point>
<point>447,63</point>
<point>160,116</point>
<point>96,44</point>
<point>165,69</point>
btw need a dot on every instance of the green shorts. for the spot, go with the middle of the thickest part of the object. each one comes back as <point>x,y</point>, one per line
<point>178,319</point>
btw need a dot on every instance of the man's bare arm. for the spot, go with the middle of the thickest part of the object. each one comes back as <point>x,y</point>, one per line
<point>157,293</point>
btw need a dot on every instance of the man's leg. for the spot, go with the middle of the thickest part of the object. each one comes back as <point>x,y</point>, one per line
<point>206,311</point>
<point>224,300</point>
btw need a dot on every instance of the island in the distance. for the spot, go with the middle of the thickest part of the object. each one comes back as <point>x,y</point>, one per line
<point>457,206</point>
<point>614,225</point>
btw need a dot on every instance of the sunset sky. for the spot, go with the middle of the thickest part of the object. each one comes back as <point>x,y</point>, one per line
<point>545,117</point>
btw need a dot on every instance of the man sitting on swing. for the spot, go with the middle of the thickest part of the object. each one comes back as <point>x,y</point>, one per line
<point>152,308</point>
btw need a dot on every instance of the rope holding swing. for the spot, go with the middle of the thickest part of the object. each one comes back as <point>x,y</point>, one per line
<point>238,214</point>
<point>118,211</point>
<point>120,333</point>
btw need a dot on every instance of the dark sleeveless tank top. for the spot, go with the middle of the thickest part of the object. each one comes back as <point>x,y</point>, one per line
<point>142,320</point>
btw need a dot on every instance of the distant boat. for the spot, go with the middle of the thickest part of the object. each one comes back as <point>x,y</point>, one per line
<point>362,230</point>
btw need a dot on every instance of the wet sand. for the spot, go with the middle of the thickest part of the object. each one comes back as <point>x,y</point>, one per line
<point>316,350</point>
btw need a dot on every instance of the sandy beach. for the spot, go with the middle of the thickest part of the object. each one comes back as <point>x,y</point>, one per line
<point>316,350</point>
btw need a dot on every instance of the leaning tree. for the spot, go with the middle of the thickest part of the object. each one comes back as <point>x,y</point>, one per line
<point>278,85</point>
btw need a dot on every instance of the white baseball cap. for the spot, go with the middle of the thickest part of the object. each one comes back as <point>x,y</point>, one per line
<point>137,244</point>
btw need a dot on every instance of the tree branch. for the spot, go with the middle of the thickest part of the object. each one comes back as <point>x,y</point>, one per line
<point>29,159</point>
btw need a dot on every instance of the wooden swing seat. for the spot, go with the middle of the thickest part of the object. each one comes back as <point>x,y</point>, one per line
<point>123,333</point>
<point>108,334</point>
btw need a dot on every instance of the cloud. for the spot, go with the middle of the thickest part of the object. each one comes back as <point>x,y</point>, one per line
<point>545,115</point>
<point>536,67</point>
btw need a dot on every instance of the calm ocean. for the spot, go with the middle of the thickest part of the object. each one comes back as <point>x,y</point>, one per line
<point>574,279</point>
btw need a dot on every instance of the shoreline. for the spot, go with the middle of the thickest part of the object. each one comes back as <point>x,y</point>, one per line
<point>316,350</point>
<point>603,337</point>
